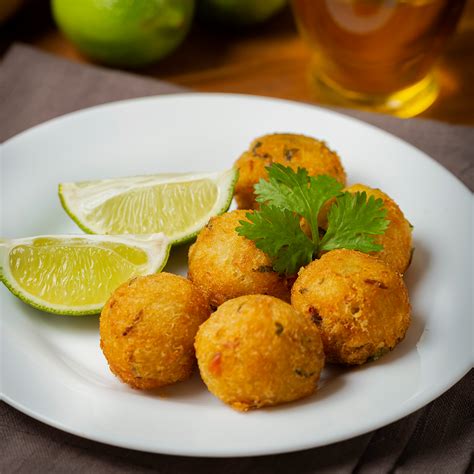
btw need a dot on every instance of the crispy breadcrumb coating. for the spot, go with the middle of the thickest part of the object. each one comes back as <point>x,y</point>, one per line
<point>225,265</point>
<point>147,329</point>
<point>397,239</point>
<point>256,351</point>
<point>288,149</point>
<point>358,302</point>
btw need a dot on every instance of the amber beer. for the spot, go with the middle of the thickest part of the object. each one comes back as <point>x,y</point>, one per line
<point>378,53</point>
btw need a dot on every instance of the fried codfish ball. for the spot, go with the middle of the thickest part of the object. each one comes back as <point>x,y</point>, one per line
<point>359,304</point>
<point>288,149</point>
<point>224,265</point>
<point>397,239</point>
<point>256,351</point>
<point>147,329</point>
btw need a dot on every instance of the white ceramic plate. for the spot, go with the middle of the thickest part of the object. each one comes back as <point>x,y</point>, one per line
<point>52,367</point>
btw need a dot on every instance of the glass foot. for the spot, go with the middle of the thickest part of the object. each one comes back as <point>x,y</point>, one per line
<point>404,103</point>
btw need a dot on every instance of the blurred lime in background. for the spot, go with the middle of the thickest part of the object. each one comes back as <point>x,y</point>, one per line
<point>238,12</point>
<point>129,33</point>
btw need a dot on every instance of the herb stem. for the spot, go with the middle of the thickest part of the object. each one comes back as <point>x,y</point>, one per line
<point>314,232</point>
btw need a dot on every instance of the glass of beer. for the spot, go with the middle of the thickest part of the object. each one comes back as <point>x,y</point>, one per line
<point>377,54</point>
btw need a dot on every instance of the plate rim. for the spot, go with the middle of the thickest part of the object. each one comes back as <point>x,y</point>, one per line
<point>185,95</point>
<point>422,398</point>
<point>422,402</point>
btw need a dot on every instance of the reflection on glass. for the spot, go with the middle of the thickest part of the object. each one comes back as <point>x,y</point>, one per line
<point>377,54</point>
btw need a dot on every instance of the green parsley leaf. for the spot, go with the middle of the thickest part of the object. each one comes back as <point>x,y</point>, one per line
<point>297,192</point>
<point>278,233</point>
<point>353,221</point>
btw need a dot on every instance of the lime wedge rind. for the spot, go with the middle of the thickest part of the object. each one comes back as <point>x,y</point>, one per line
<point>157,247</point>
<point>76,198</point>
<point>226,194</point>
<point>62,199</point>
<point>30,301</point>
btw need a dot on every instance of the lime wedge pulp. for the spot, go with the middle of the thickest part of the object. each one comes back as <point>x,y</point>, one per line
<point>75,274</point>
<point>179,205</point>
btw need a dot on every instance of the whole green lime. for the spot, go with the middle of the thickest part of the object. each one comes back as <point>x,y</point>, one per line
<point>127,33</point>
<point>238,12</point>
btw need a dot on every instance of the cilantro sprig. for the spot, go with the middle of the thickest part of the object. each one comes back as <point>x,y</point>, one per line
<point>287,196</point>
<point>297,192</point>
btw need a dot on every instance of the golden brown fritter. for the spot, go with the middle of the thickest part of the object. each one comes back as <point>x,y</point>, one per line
<point>359,304</point>
<point>397,240</point>
<point>288,149</point>
<point>147,329</point>
<point>225,265</point>
<point>257,350</point>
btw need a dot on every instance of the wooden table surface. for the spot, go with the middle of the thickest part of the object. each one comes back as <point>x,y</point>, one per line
<point>268,60</point>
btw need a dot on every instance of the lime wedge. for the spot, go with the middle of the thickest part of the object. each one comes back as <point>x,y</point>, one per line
<point>75,274</point>
<point>179,205</point>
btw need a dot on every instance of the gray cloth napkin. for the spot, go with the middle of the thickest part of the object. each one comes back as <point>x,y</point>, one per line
<point>439,438</point>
